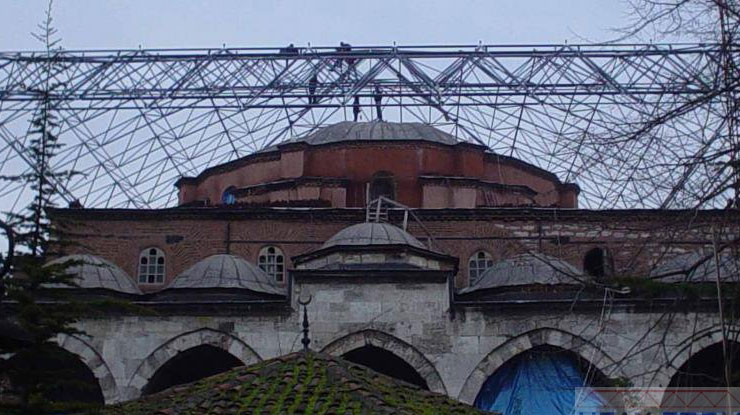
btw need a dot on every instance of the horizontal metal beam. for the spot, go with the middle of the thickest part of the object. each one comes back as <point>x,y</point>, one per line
<point>155,114</point>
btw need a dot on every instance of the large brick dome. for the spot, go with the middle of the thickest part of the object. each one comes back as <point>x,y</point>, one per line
<point>350,163</point>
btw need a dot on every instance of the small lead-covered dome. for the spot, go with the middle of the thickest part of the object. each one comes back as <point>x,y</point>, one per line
<point>372,233</point>
<point>697,266</point>
<point>95,272</point>
<point>527,269</point>
<point>373,246</point>
<point>227,271</point>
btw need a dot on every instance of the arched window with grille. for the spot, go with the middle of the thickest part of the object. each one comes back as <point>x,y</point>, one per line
<point>151,266</point>
<point>272,261</point>
<point>228,197</point>
<point>478,264</point>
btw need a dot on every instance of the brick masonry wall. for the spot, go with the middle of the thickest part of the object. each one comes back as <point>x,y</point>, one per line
<point>634,243</point>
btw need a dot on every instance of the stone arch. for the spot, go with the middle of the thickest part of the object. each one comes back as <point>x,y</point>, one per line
<point>205,336</point>
<point>94,361</point>
<point>692,345</point>
<point>539,337</point>
<point>400,348</point>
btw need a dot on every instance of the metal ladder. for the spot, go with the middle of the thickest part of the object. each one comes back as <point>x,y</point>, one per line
<point>377,210</point>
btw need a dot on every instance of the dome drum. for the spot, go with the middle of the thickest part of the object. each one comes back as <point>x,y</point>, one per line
<point>428,168</point>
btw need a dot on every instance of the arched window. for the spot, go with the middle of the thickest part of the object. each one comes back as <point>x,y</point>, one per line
<point>478,264</point>
<point>597,263</point>
<point>272,261</point>
<point>382,184</point>
<point>227,197</point>
<point>151,266</point>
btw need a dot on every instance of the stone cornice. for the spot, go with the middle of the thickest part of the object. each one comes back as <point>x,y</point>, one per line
<point>358,214</point>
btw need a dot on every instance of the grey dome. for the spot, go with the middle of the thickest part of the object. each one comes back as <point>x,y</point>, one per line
<point>373,233</point>
<point>95,272</point>
<point>527,269</point>
<point>697,266</point>
<point>376,131</point>
<point>227,271</point>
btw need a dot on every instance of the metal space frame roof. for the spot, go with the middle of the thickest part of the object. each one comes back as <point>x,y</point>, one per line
<point>133,121</point>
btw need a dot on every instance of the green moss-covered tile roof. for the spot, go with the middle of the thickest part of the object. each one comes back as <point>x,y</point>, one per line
<point>299,383</point>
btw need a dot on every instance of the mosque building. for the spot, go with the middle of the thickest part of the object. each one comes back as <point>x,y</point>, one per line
<point>434,261</point>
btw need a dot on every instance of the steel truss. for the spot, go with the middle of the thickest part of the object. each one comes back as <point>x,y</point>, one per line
<point>133,121</point>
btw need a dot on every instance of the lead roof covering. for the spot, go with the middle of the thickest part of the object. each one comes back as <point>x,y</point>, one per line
<point>94,272</point>
<point>227,271</point>
<point>527,269</point>
<point>373,233</point>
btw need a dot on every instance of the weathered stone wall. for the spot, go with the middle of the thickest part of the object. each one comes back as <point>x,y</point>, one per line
<point>453,350</point>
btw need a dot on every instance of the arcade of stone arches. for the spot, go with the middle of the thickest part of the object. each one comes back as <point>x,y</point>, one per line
<point>506,387</point>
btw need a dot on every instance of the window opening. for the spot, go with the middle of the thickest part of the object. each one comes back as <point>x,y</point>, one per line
<point>479,263</point>
<point>151,266</point>
<point>596,263</point>
<point>272,261</point>
<point>382,184</point>
<point>227,197</point>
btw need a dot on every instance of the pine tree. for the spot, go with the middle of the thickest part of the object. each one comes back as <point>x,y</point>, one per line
<point>32,226</point>
<point>36,369</point>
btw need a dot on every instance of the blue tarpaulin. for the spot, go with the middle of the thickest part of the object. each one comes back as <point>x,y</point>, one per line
<point>534,383</point>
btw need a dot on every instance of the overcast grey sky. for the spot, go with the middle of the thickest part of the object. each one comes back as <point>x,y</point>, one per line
<point>86,24</point>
